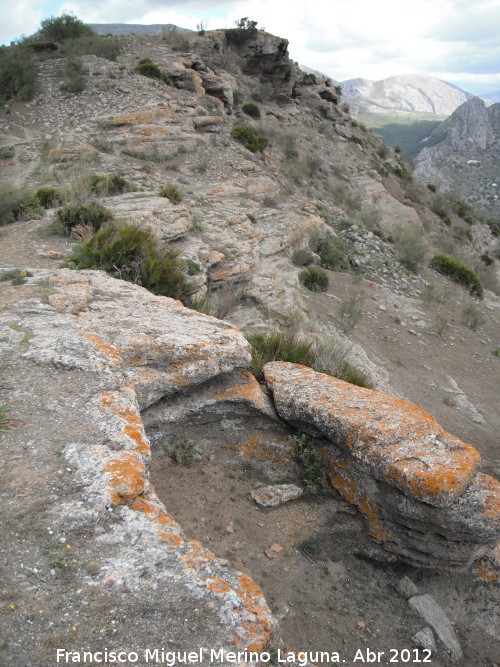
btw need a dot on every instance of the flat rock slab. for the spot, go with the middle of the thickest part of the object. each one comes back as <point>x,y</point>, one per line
<point>432,613</point>
<point>397,441</point>
<point>274,496</point>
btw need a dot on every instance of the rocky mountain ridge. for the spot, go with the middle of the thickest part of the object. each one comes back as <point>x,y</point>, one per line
<point>403,92</point>
<point>463,154</point>
<point>83,348</point>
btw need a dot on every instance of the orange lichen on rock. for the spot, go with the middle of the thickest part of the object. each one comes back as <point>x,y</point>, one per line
<point>491,490</point>
<point>399,442</point>
<point>259,631</point>
<point>218,585</point>
<point>375,526</point>
<point>104,348</point>
<point>116,403</point>
<point>248,390</point>
<point>197,556</point>
<point>262,449</point>
<point>128,474</point>
<point>487,568</point>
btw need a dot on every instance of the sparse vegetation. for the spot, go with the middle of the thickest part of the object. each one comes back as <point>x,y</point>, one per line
<point>251,110</point>
<point>182,452</point>
<point>131,252</point>
<point>146,67</point>
<point>172,193</point>
<point>16,276</point>
<point>313,475</point>
<point>77,218</point>
<point>7,152</point>
<point>48,197</point>
<point>459,272</point>
<point>249,137</point>
<point>109,184</point>
<point>302,257</point>
<point>314,278</point>
<point>350,311</point>
<point>74,76</point>
<point>472,317</point>
<point>410,247</point>
<point>5,419</point>
<point>245,30</point>
<point>325,356</point>
<point>331,250</point>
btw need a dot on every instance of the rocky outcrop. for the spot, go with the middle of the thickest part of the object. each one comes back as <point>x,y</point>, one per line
<point>462,154</point>
<point>416,485</point>
<point>120,349</point>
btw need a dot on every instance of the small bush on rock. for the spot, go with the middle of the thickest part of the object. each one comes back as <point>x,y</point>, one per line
<point>314,278</point>
<point>146,67</point>
<point>459,272</point>
<point>302,257</point>
<point>48,197</point>
<point>90,215</point>
<point>251,110</point>
<point>330,250</point>
<point>410,247</point>
<point>172,193</point>
<point>249,137</point>
<point>109,184</point>
<point>131,252</point>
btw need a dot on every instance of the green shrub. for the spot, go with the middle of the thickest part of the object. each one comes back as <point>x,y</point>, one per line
<point>487,259</point>
<point>109,184</point>
<point>249,137</point>
<point>279,346</point>
<point>314,278</point>
<point>172,193</point>
<point>42,47</point>
<point>91,215</point>
<point>314,475</point>
<point>95,45</point>
<point>18,74</point>
<point>459,272</point>
<point>131,252</point>
<point>14,202</point>
<point>245,30</point>
<point>331,251</point>
<point>146,67</point>
<point>66,26</point>
<point>325,356</point>
<point>410,247</point>
<point>472,317</point>
<point>251,110</point>
<point>48,197</point>
<point>5,419</point>
<point>16,276</point>
<point>74,76</point>
<point>7,152</point>
<point>302,257</point>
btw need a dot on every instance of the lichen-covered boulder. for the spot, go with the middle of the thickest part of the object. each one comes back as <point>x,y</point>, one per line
<point>417,486</point>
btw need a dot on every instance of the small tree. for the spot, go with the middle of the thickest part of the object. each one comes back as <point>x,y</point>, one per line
<point>66,26</point>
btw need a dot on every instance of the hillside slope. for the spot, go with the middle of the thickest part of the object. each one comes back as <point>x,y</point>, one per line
<point>463,154</point>
<point>121,400</point>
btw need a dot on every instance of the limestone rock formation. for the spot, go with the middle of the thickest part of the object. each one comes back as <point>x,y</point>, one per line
<point>416,485</point>
<point>99,351</point>
<point>462,154</point>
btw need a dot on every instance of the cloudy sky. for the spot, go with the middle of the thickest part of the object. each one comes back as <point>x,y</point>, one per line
<point>454,40</point>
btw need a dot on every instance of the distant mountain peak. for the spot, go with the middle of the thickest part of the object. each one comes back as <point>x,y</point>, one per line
<point>404,92</point>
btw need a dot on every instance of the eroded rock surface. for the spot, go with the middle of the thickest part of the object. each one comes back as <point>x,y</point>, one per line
<point>111,348</point>
<point>416,485</point>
